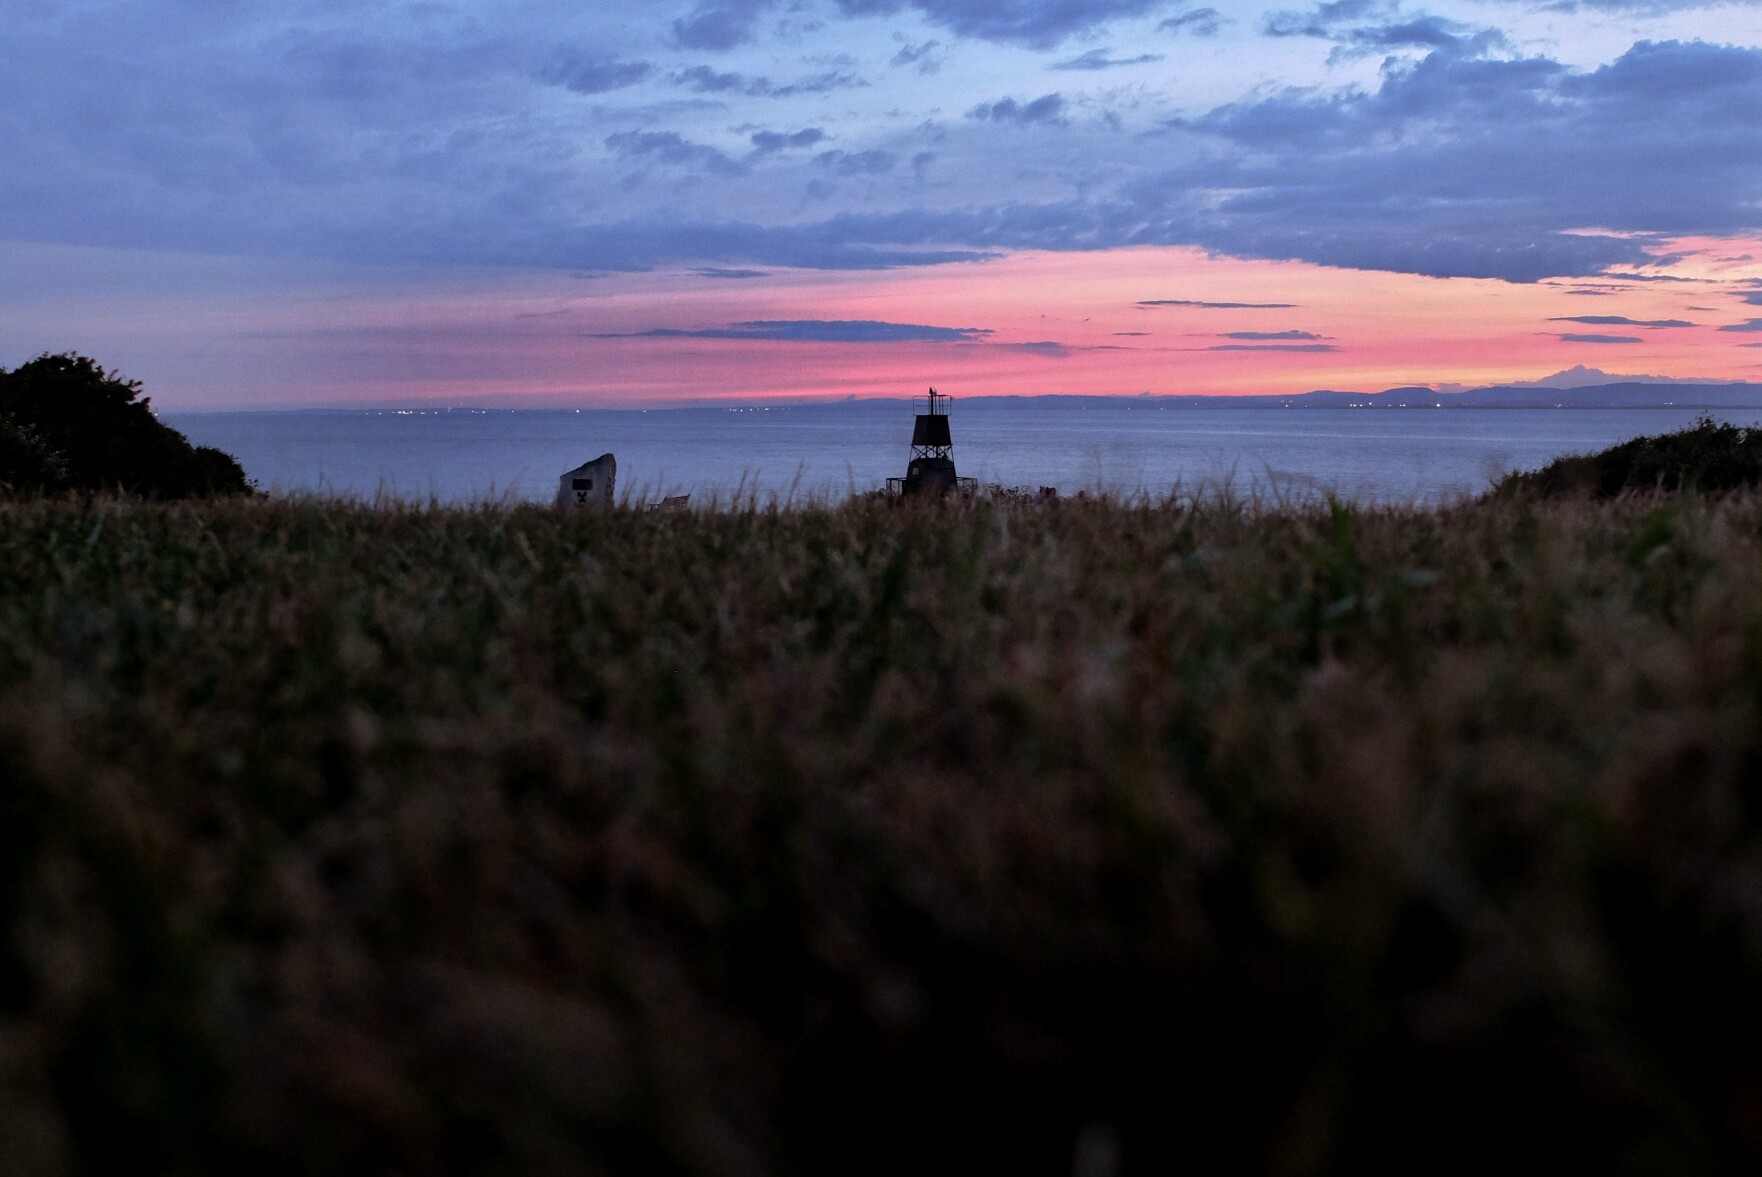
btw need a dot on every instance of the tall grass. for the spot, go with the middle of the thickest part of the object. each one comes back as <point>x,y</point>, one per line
<point>1084,837</point>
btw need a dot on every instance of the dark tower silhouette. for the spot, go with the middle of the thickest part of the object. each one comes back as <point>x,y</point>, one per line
<point>931,470</point>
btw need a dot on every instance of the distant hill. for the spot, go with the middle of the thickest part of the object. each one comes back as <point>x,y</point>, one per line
<point>1624,394</point>
<point>1579,376</point>
<point>1630,394</point>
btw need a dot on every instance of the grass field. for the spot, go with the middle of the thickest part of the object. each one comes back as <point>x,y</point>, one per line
<point>1082,838</point>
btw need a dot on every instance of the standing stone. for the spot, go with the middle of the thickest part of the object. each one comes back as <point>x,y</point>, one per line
<point>590,484</point>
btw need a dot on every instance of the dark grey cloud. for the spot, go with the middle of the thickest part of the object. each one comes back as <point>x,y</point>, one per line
<point>927,57</point>
<point>723,272</point>
<point>1036,24</point>
<point>1600,339</point>
<point>1048,109</point>
<point>1754,298</point>
<point>817,331</point>
<point>1425,32</point>
<point>1200,22</point>
<point>669,147</point>
<point>1218,306</point>
<point>822,83</point>
<point>770,142</point>
<point>1619,321</point>
<point>705,80</point>
<point>445,145</point>
<point>1325,20</point>
<point>1748,325</point>
<point>1634,7</point>
<point>720,24</point>
<point>1099,59</point>
<point>1671,278</point>
<point>1376,26</point>
<point>1469,167</point>
<point>596,74</point>
<point>857,163</point>
<point>1271,335</point>
<point>1301,347</point>
<point>642,244</point>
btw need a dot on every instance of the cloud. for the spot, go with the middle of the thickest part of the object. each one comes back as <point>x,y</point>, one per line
<point>669,147</point>
<point>705,80</point>
<point>770,142</point>
<point>1048,109</point>
<point>1268,335</point>
<point>1630,7</point>
<point>1034,24</point>
<point>1599,339</point>
<point>1373,26</point>
<point>425,137</point>
<point>719,25</point>
<point>596,75</point>
<point>817,331</point>
<point>722,272</point>
<point>1218,306</point>
<point>1619,321</point>
<point>1747,325</point>
<point>1200,22</point>
<point>926,57</point>
<point>1754,298</point>
<point>857,163</point>
<point>640,244</point>
<point>1426,32</point>
<point>1468,167</point>
<point>1299,347</point>
<point>1657,278</point>
<point>1099,59</point>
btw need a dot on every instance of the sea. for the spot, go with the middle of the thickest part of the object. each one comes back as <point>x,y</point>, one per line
<point>802,453</point>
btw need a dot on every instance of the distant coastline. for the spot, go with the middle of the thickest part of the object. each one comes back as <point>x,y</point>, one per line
<point>1578,387</point>
<point>1621,395</point>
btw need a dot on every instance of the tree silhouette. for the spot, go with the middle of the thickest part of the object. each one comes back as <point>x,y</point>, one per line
<point>67,424</point>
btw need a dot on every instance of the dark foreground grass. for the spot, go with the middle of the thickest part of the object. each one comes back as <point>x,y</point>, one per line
<point>1084,838</point>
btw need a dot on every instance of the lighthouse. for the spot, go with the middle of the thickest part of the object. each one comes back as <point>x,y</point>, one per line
<point>930,473</point>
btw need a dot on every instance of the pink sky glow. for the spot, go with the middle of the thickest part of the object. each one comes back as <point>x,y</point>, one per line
<point>297,203</point>
<point>533,338</point>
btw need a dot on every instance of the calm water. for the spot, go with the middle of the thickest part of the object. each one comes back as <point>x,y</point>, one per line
<point>1371,455</point>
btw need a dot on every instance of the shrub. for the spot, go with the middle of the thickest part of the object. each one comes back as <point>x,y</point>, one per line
<point>96,429</point>
<point>28,464</point>
<point>1708,456</point>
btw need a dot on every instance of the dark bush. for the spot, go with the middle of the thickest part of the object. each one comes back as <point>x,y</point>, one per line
<point>91,430</point>
<point>1708,456</point>
<point>28,464</point>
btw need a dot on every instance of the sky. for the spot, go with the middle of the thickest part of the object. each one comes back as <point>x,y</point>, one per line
<point>546,203</point>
